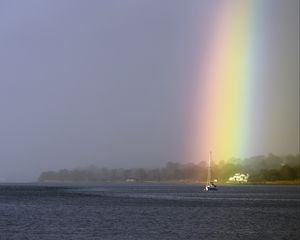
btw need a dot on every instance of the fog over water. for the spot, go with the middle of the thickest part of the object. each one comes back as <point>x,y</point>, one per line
<point>110,83</point>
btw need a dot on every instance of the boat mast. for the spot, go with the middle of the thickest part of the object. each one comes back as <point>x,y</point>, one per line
<point>209,169</point>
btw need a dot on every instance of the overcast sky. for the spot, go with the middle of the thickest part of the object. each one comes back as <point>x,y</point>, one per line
<point>110,82</point>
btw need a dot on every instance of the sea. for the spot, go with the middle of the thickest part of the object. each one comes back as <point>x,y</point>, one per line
<point>148,211</point>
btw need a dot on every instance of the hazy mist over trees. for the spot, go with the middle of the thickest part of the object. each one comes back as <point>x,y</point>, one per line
<point>122,84</point>
<point>260,168</point>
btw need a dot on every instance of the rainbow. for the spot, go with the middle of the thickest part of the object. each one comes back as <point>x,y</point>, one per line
<point>222,117</point>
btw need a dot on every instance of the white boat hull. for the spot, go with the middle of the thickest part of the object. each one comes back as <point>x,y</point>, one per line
<point>210,188</point>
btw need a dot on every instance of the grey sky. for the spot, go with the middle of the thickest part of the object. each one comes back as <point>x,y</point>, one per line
<point>110,82</point>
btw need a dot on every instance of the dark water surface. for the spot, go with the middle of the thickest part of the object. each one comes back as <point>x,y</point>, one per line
<point>149,212</point>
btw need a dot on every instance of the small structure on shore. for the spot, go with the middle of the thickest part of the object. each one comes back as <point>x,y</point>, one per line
<point>131,180</point>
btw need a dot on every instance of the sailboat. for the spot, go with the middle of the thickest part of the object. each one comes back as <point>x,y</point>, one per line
<point>210,186</point>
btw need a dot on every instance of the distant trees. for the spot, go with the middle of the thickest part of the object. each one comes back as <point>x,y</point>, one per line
<point>260,168</point>
<point>284,173</point>
<point>171,172</point>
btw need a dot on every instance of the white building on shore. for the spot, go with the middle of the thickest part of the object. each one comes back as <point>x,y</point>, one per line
<point>239,177</point>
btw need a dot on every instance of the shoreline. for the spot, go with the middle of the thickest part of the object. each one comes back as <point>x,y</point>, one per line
<point>57,183</point>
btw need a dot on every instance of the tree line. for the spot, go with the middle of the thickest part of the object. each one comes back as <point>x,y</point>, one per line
<point>260,168</point>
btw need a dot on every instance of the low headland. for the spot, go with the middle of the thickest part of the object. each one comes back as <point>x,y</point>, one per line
<point>271,169</point>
